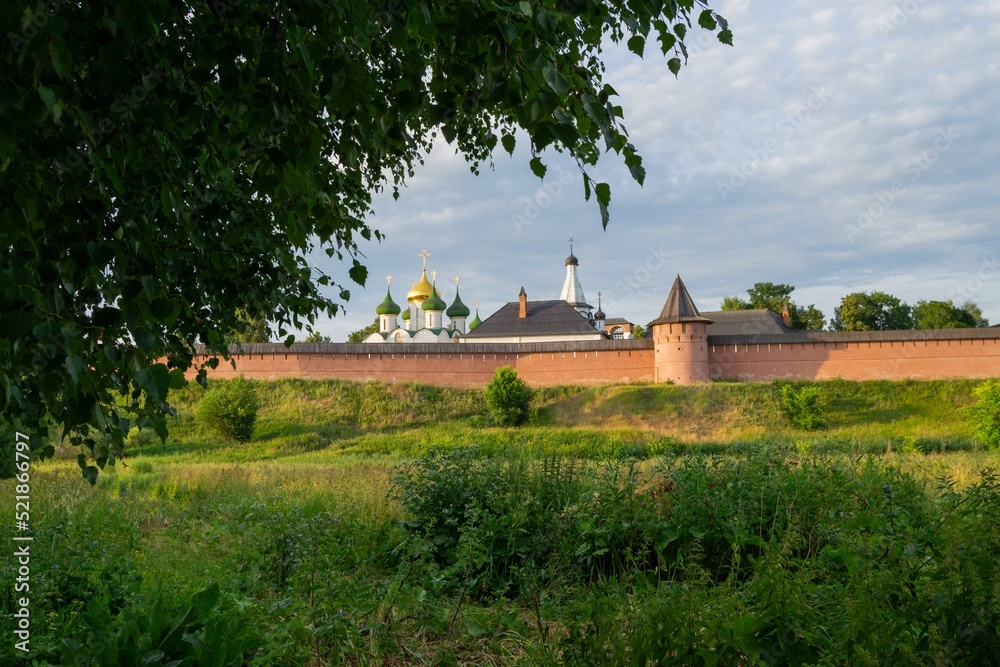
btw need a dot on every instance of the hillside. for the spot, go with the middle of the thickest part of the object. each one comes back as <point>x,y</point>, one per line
<point>323,418</point>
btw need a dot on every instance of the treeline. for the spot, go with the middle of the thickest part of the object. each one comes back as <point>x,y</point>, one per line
<point>860,311</point>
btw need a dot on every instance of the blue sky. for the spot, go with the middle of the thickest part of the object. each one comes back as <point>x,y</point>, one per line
<point>841,148</point>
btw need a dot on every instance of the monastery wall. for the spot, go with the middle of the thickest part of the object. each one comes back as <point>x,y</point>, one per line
<point>445,364</point>
<point>889,355</point>
<point>868,355</point>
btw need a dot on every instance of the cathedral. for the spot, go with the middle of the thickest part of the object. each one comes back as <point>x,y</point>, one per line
<point>423,319</point>
<point>568,318</point>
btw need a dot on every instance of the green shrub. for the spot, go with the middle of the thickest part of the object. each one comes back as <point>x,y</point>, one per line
<point>801,405</point>
<point>230,409</point>
<point>508,398</point>
<point>984,416</point>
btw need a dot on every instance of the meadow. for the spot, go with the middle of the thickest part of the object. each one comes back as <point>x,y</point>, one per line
<point>631,524</point>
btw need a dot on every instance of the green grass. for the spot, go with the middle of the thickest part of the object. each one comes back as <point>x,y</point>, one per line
<point>303,528</point>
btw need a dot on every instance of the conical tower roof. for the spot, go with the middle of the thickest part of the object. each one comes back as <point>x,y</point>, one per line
<point>388,306</point>
<point>679,307</point>
<point>457,308</point>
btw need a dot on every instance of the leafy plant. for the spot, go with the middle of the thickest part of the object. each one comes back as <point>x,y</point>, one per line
<point>508,398</point>
<point>801,405</point>
<point>984,416</point>
<point>231,409</point>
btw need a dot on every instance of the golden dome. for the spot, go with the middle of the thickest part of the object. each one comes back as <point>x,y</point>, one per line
<point>421,291</point>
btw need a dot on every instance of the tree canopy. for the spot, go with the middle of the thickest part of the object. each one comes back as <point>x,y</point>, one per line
<point>871,311</point>
<point>878,311</point>
<point>776,297</point>
<point>164,164</point>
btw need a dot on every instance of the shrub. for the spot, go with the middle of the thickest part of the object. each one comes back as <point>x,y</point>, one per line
<point>984,416</point>
<point>802,407</point>
<point>508,398</point>
<point>230,409</point>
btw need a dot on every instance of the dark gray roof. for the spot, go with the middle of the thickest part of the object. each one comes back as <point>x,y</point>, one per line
<point>745,322</point>
<point>617,320</point>
<point>679,307</point>
<point>545,318</point>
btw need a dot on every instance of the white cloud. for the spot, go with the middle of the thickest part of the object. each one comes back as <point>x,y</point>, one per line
<point>898,74</point>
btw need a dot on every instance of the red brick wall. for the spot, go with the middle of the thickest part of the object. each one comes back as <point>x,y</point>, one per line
<point>447,365</point>
<point>586,367</point>
<point>865,356</point>
<point>862,360</point>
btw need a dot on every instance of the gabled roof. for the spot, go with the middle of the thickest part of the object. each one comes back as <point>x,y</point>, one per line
<point>545,318</point>
<point>679,307</point>
<point>745,322</point>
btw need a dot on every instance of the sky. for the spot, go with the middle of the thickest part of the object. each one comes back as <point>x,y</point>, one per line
<point>838,148</point>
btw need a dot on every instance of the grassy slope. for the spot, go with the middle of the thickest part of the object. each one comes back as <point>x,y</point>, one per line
<point>318,421</point>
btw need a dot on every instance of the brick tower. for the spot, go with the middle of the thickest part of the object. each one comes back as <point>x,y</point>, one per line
<point>680,339</point>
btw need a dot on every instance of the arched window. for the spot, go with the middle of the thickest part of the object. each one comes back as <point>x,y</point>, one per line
<point>618,333</point>
<point>400,337</point>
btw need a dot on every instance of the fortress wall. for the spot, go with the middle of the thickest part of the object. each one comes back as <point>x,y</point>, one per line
<point>586,367</point>
<point>856,356</point>
<point>452,365</point>
<point>927,358</point>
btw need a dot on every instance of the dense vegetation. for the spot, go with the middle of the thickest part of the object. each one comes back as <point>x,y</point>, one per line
<point>390,524</point>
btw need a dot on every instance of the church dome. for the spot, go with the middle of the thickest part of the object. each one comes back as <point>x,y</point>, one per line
<point>388,306</point>
<point>433,302</point>
<point>475,321</point>
<point>457,308</point>
<point>599,315</point>
<point>572,260</point>
<point>422,290</point>
<point>406,315</point>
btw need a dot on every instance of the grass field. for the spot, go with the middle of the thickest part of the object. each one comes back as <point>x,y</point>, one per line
<point>633,524</point>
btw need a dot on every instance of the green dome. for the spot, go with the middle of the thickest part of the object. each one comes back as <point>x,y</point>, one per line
<point>406,315</point>
<point>434,302</point>
<point>457,308</point>
<point>475,321</point>
<point>388,306</point>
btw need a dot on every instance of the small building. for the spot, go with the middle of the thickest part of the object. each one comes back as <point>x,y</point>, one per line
<point>524,321</point>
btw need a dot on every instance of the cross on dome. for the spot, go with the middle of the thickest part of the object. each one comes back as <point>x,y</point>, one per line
<point>424,255</point>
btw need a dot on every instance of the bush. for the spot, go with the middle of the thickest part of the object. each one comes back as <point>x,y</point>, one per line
<point>508,398</point>
<point>802,406</point>
<point>984,416</point>
<point>230,409</point>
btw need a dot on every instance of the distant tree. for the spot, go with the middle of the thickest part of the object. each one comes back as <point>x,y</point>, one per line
<point>360,335</point>
<point>776,297</point>
<point>638,331</point>
<point>735,303</point>
<point>317,337</point>
<point>941,315</point>
<point>253,330</point>
<point>810,317</point>
<point>874,311</point>
<point>976,312</point>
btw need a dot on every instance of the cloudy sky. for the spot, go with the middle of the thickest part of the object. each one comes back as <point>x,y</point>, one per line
<point>837,149</point>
